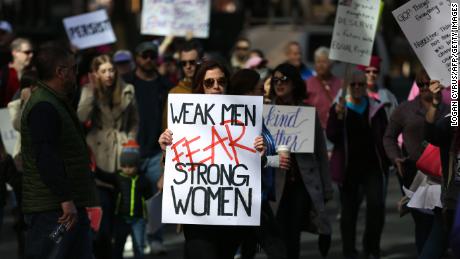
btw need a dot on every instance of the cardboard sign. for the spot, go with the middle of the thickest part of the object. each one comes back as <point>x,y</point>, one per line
<point>354,31</point>
<point>89,30</point>
<point>212,171</point>
<point>426,24</point>
<point>9,134</point>
<point>293,126</point>
<point>176,17</point>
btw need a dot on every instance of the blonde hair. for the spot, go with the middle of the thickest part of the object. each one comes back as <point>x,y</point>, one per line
<point>113,97</point>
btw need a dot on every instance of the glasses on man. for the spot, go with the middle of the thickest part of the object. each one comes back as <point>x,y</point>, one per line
<point>242,48</point>
<point>27,52</point>
<point>210,82</point>
<point>280,80</point>
<point>184,63</point>
<point>372,71</point>
<point>355,84</point>
<point>149,55</point>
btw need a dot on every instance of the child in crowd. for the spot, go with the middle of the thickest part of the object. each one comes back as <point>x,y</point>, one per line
<point>131,212</point>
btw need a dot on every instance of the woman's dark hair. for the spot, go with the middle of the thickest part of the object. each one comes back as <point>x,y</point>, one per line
<point>243,82</point>
<point>421,77</point>
<point>292,73</point>
<point>204,67</point>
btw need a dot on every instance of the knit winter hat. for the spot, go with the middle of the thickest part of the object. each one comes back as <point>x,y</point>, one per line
<point>375,62</point>
<point>130,155</point>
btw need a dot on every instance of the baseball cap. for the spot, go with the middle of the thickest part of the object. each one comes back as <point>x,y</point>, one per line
<point>146,46</point>
<point>6,26</point>
<point>122,56</point>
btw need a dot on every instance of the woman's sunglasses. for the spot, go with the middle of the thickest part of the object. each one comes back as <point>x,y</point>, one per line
<point>354,84</point>
<point>209,83</point>
<point>280,80</point>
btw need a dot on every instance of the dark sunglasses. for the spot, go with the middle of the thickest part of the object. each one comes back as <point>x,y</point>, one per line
<point>376,71</point>
<point>354,84</point>
<point>280,80</point>
<point>192,62</point>
<point>209,83</point>
<point>423,85</point>
<point>27,52</point>
<point>151,55</point>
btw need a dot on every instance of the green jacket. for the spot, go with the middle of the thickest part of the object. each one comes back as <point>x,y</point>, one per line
<point>72,148</point>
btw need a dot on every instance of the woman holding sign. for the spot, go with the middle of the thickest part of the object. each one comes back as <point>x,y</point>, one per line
<point>359,165</point>
<point>107,106</point>
<point>303,190</point>
<point>211,241</point>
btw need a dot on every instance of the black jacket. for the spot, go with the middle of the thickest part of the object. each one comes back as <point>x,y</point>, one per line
<point>132,193</point>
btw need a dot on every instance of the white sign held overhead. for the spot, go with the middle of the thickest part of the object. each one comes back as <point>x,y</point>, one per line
<point>354,31</point>
<point>176,17</point>
<point>293,126</point>
<point>89,29</point>
<point>426,24</point>
<point>212,171</point>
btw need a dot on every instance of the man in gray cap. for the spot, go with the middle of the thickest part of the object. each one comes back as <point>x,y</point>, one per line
<point>151,90</point>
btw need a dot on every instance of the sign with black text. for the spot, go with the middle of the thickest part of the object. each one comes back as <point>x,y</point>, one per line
<point>212,170</point>
<point>354,31</point>
<point>89,29</point>
<point>426,24</point>
<point>9,134</point>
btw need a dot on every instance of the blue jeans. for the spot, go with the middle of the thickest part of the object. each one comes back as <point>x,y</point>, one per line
<point>436,243</point>
<point>152,168</point>
<point>75,243</point>
<point>124,227</point>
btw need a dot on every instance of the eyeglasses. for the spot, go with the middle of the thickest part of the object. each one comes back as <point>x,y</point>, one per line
<point>423,85</point>
<point>373,71</point>
<point>192,62</point>
<point>210,82</point>
<point>280,80</point>
<point>151,55</point>
<point>27,52</point>
<point>354,84</point>
<point>242,48</point>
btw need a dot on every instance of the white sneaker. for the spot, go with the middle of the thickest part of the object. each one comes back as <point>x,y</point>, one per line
<point>157,248</point>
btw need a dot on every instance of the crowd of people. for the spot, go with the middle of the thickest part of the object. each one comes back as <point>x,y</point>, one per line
<point>92,143</point>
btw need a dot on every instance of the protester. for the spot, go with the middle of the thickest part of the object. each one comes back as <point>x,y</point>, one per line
<point>107,106</point>
<point>189,59</point>
<point>123,61</point>
<point>268,235</point>
<point>211,241</point>
<point>408,119</point>
<point>359,164</point>
<point>258,63</point>
<point>304,189</point>
<point>439,132</point>
<point>293,54</point>
<point>132,191</point>
<point>376,92</point>
<point>151,91</point>
<point>240,53</point>
<point>57,182</point>
<point>323,87</point>
<point>10,75</point>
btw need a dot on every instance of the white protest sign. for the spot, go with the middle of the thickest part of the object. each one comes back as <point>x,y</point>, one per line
<point>176,17</point>
<point>89,30</point>
<point>9,134</point>
<point>354,31</point>
<point>212,171</point>
<point>293,126</point>
<point>426,24</point>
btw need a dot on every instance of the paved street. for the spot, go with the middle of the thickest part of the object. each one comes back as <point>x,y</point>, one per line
<point>397,240</point>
